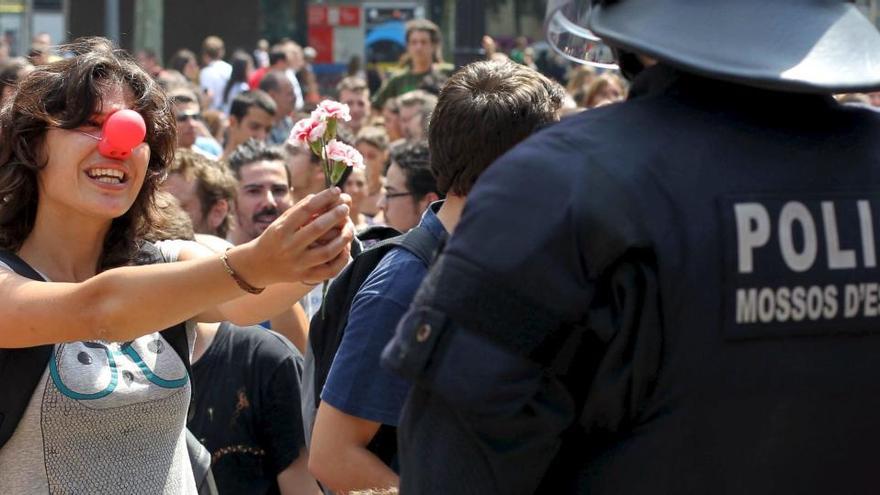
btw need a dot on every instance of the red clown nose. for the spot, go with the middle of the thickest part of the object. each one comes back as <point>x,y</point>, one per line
<point>122,131</point>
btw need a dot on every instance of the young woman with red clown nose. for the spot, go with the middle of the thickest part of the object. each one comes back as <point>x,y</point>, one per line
<point>95,325</point>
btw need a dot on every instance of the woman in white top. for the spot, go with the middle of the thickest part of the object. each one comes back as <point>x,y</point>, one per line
<point>108,413</point>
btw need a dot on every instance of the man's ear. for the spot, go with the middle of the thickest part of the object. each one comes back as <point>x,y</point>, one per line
<point>218,213</point>
<point>232,121</point>
<point>427,199</point>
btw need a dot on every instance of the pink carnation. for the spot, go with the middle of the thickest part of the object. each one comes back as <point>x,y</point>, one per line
<point>329,109</point>
<point>308,131</point>
<point>343,153</point>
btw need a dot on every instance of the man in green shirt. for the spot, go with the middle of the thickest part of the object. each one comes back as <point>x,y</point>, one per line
<point>423,61</point>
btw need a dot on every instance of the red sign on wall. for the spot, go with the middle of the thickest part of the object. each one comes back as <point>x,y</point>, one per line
<point>349,16</point>
<point>317,15</point>
<point>321,39</point>
<point>343,15</point>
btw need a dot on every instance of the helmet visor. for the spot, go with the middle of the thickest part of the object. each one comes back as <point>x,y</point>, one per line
<point>566,31</point>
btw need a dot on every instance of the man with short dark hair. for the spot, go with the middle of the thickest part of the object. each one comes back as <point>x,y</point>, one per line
<point>263,190</point>
<point>264,193</point>
<point>424,64</point>
<point>503,105</point>
<point>215,72</point>
<point>251,116</point>
<point>497,94</point>
<point>409,185</point>
<point>415,114</point>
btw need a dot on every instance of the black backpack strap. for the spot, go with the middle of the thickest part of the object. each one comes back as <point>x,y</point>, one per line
<point>176,338</point>
<point>377,233</point>
<point>420,242</point>
<point>20,369</point>
<point>19,266</point>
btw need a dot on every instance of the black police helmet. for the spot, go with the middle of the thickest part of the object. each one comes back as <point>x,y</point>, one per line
<point>809,46</point>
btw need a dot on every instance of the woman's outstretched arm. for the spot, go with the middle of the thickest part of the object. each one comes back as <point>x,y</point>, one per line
<point>124,303</point>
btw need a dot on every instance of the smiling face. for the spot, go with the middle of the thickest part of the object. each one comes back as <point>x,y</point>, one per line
<point>78,180</point>
<point>263,195</point>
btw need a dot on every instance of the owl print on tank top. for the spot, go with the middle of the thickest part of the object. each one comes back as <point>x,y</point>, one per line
<point>112,415</point>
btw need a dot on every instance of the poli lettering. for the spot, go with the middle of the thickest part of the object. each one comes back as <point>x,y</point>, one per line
<point>755,226</point>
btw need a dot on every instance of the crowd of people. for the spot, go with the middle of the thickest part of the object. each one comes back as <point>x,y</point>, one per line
<point>221,230</point>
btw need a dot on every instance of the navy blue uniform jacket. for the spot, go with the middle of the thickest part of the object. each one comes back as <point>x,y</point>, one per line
<point>718,244</point>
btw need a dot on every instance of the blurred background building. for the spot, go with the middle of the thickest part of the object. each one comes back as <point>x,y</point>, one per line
<point>337,29</point>
<point>341,31</point>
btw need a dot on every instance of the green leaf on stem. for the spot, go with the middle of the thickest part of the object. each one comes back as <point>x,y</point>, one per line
<point>330,133</point>
<point>337,171</point>
<point>317,149</point>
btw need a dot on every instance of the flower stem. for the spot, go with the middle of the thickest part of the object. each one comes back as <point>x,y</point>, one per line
<point>325,164</point>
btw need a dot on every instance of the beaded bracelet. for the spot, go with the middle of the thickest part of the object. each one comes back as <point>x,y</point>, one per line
<point>238,280</point>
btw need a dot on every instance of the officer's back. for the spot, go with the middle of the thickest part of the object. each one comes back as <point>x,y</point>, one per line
<point>717,240</point>
<point>756,361</point>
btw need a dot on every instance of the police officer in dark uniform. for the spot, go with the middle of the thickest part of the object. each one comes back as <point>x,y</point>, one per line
<point>676,294</point>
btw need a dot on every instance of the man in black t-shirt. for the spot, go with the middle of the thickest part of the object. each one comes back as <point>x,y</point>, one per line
<point>246,410</point>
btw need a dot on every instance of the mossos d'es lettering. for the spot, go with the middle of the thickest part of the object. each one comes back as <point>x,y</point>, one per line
<point>825,250</point>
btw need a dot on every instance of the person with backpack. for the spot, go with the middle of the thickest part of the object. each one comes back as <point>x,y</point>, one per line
<point>94,396</point>
<point>353,444</point>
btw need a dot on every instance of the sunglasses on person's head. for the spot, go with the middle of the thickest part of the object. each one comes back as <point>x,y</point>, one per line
<point>183,117</point>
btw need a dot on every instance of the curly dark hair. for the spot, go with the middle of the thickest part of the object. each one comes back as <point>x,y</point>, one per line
<point>214,182</point>
<point>65,94</point>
